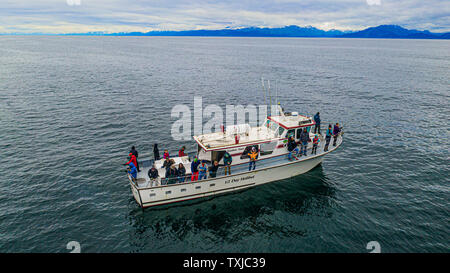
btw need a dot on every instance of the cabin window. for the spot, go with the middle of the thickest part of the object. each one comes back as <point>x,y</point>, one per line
<point>299,131</point>
<point>267,148</point>
<point>247,151</point>
<point>198,187</point>
<point>182,190</point>
<point>212,185</point>
<point>280,131</point>
<point>152,194</point>
<point>168,192</point>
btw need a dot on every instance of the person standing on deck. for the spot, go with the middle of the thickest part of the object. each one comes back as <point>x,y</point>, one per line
<point>156,152</point>
<point>336,131</point>
<point>166,154</point>
<point>181,152</point>
<point>316,141</point>
<point>171,175</point>
<point>132,171</point>
<point>135,153</point>
<point>153,175</point>
<point>328,137</point>
<point>292,147</point>
<point>252,155</point>
<point>194,169</point>
<point>317,121</point>
<point>304,138</point>
<point>181,173</point>
<point>227,160</point>
<point>213,169</point>
<point>203,168</point>
<point>132,160</point>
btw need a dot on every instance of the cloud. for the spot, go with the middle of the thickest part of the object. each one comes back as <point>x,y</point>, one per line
<point>373,2</point>
<point>68,16</point>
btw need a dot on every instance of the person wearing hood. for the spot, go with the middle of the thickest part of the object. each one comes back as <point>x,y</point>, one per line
<point>132,171</point>
<point>135,153</point>
<point>227,160</point>
<point>166,154</point>
<point>194,169</point>
<point>317,121</point>
<point>156,152</point>
<point>132,160</point>
<point>253,155</point>
<point>181,152</point>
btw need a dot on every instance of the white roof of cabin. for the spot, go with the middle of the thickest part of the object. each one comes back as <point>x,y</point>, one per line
<point>221,140</point>
<point>291,121</point>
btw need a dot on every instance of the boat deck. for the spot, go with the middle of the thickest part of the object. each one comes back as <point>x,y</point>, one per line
<point>143,181</point>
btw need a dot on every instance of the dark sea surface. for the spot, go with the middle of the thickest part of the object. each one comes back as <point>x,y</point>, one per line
<point>71,107</point>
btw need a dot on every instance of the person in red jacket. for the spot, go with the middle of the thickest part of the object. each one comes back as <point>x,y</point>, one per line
<point>132,160</point>
<point>181,152</point>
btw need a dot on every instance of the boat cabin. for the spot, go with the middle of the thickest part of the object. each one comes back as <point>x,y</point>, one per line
<point>238,140</point>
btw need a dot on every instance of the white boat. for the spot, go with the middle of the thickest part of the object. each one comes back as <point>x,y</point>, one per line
<point>272,163</point>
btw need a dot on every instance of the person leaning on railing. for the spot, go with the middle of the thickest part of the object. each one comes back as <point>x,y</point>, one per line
<point>181,173</point>
<point>213,169</point>
<point>336,131</point>
<point>132,171</point>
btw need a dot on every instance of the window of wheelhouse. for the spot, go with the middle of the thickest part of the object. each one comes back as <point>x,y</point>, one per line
<point>247,151</point>
<point>217,156</point>
<point>299,131</point>
<point>280,131</point>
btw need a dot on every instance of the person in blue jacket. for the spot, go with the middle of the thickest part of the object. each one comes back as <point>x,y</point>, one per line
<point>317,121</point>
<point>132,171</point>
<point>328,137</point>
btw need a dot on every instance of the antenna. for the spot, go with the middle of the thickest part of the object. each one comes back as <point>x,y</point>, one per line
<point>276,92</point>
<point>264,90</point>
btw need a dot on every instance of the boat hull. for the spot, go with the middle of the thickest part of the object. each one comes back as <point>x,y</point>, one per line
<point>155,196</point>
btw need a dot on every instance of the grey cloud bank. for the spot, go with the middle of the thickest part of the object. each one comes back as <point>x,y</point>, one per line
<point>114,16</point>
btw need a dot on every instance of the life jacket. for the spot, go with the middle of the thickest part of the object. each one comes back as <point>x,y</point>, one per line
<point>315,140</point>
<point>253,155</point>
<point>132,160</point>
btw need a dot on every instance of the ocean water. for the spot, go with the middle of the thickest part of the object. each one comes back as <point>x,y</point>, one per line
<point>71,107</point>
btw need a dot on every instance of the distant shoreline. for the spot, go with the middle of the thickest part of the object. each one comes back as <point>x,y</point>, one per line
<point>379,32</point>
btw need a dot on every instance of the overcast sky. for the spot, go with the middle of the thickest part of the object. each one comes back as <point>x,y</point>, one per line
<point>70,16</point>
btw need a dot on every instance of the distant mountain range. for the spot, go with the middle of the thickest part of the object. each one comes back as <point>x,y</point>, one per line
<point>382,31</point>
